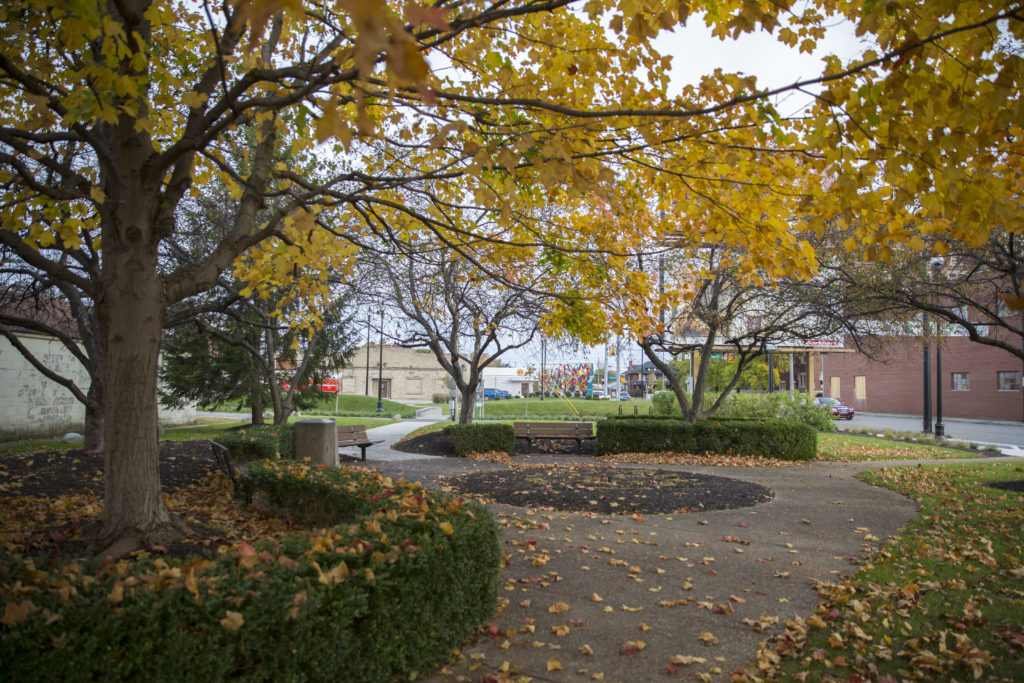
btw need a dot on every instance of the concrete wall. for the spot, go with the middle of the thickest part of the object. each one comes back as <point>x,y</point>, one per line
<point>33,406</point>
<point>897,385</point>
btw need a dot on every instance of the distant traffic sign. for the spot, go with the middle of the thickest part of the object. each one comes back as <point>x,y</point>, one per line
<point>329,386</point>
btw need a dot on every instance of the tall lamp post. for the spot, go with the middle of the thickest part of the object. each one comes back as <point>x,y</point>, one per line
<point>367,355</point>
<point>940,429</point>
<point>927,426</point>
<point>380,367</point>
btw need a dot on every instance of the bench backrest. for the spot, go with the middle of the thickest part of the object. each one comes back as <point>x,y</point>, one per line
<point>352,433</point>
<point>571,429</point>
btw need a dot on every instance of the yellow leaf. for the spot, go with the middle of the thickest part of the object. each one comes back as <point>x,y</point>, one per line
<point>17,613</point>
<point>586,650</point>
<point>596,598</point>
<point>116,595</point>
<point>232,621</point>
<point>97,195</point>
<point>559,607</point>
<point>554,665</point>
<point>446,528</point>
<point>686,659</point>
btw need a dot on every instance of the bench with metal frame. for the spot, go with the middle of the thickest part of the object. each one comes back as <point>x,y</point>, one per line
<point>574,431</point>
<point>354,435</point>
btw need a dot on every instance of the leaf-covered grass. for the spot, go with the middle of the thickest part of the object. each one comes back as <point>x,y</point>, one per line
<point>844,447</point>
<point>942,601</point>
<point>36,446</point>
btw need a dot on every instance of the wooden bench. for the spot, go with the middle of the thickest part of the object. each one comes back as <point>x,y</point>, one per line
<point>576,431</point>
<point>354,435</point>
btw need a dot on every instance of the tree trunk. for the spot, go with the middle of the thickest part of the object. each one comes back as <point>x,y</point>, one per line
<point>256,404</point>
<point>94,438</point>
<point>130,309</point>
<point>468,404</point>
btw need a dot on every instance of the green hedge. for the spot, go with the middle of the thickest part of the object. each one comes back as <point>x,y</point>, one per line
<point>259,442</point>
<point>391,593</point>
<point>768,438</point>
<point>482,437</point>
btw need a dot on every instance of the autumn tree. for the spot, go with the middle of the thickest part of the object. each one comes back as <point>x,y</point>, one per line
<point>115,112</point>
<point>439,301</point>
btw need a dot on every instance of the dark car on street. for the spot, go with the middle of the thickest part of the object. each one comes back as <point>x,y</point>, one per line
<point>836,407</point>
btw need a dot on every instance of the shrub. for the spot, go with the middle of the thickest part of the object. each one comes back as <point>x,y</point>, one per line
<point>259,442</point>
<point>389,594</point>
<point>780,405</point>
<point>665,403</point>
<point>760,438</point>
<point>482,437</point>
<point>439,398</point>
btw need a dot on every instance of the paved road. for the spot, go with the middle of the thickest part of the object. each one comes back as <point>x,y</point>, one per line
<point>989,432</point>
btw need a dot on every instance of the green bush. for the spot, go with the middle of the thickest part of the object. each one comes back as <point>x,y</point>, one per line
<point>760,438</point>
<point>482,437</point>
<point>665,403</point>
<point>439,398</point>
<point>259,442</point>
<point>389,594</point>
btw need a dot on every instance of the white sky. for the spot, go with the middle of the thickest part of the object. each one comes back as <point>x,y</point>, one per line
<point>695,52</point>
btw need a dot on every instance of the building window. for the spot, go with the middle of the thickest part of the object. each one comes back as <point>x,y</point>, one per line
<point>961,381</point>
<point>1009,381</point>
<point>860,387</point>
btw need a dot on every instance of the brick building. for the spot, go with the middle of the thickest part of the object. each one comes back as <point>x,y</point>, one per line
<point>978,381</point>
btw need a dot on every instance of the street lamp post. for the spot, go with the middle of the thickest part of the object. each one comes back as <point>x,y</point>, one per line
<point>940,429</point>
<point>927,425</point>
<point>380,368</point>
<point>367,355</point>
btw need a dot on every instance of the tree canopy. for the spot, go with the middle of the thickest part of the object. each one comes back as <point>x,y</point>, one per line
<point>427,117</point>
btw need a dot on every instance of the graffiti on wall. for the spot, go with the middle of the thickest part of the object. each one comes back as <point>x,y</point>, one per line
<point>572,379</point>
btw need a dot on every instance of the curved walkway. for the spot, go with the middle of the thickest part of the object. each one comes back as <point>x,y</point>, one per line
<point>693,584</point>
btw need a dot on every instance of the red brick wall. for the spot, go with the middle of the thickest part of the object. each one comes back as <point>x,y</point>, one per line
<point>897,385</point>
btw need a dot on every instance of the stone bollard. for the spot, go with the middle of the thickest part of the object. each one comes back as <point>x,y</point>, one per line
<point>317,440</point>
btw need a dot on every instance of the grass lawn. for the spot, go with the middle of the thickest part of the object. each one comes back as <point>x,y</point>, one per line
<point>942,601</point>
<point>840,446</point>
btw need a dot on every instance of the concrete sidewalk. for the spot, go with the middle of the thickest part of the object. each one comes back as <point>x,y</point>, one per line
<point>391,433</point>
<point>615,597</point>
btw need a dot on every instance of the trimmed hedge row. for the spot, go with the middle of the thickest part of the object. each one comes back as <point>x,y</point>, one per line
<point>769,438</point>
<point>482,437</point>
<point>392,592</point>
<point>259,442</point>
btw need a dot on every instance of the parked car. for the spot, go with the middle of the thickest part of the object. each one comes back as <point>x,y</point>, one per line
<point>836,407</point>
<point>496,394</point>
<point>624,395</point>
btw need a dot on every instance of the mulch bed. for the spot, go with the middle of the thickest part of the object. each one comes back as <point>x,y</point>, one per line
<point>1014,485</point>
<point>52,474</point>
<point>609,490</point>
<point>601,489</point>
